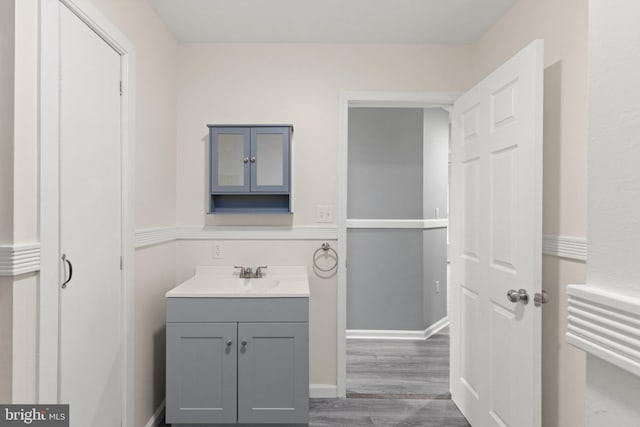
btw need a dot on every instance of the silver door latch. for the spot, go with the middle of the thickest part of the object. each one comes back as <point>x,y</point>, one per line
<point>541,298</point>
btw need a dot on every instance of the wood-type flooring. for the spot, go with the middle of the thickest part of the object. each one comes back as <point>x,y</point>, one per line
<point>393,383</point>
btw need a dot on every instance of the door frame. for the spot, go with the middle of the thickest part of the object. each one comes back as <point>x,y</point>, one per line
<point>48,345</point>
<point>443,100</point>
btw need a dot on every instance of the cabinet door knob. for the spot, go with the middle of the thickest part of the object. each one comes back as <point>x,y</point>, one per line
<point>253,159</point>
<point>244,343</point>
<point>229,342</point>
<point>245,160</point>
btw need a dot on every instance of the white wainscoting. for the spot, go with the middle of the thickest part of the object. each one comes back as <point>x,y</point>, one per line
<point>353,334</point>
<point>19,259</point>
<point>605,324</point>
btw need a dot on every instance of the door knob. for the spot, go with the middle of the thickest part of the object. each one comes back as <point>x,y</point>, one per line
<point>518,296</point>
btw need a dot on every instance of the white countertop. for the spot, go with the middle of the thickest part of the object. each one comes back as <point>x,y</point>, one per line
<point>224,282</point>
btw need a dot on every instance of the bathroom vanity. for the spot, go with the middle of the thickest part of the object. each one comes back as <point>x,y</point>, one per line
<point>238,349</point>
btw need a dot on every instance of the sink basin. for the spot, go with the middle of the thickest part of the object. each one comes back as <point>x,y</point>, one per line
<point>224,282</point>
<point>247,285</point>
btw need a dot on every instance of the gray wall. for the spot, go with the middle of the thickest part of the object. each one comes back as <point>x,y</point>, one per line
<point>385,163</point>
<point>384,279</point>
<point>397,170</point>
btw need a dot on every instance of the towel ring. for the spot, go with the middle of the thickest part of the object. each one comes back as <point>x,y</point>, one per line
<point>325,247</point>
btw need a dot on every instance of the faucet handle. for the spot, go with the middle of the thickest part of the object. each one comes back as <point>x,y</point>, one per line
<point>259,270</point>
<point>243,270</point>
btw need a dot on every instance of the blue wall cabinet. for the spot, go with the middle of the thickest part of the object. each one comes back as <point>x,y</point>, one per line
<point>250,168</point>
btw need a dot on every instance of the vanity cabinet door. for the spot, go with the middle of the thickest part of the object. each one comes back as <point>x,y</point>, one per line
<point>269,159</point>
<point>201,373</point>
<point>230,156</point>
<point>273,373</point>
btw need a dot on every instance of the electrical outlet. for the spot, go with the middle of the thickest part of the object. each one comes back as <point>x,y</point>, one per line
<point>217,250</point>
<point>437,286</point>
<point>325,213</point>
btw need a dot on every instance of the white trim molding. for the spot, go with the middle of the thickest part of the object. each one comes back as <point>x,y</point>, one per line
<point>565,247</point>
<point>157,418</point>
<point>154,236</point>
<point>25,258</point>
<point>323,391</point>
<point>19,259</point>
<point>358,334</point>
<point>605,324</point>
<point>421,224</point>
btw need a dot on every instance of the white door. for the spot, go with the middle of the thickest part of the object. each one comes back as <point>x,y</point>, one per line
<point>90,225</point>
<point>496,206</point>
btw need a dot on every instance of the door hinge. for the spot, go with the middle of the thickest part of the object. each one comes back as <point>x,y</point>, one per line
<point>120,263</point>
<point>120,87</point>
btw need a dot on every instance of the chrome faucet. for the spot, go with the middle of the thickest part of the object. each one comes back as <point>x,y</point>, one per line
<point>247,272</point>
<point>259,271</point>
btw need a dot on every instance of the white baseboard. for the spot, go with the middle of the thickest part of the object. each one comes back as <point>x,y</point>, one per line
<point>158,416</point>
<point>353,334</point>
<point>326,391</point>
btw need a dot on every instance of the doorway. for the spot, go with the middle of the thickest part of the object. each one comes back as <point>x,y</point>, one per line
<point>397,240</point>
<point>380,239</point>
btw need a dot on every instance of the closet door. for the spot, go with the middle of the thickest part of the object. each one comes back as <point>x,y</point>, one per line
<point>90,225</point>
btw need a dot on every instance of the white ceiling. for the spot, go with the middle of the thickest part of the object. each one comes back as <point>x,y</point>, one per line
<point>329,21</point>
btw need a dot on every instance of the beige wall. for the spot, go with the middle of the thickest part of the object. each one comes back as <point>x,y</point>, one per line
<point>563,26</point>
<point>25,195</point>
<point>155,273</point>
<point>156,58</point>
<point>18,193</point>
<point>298,84</point>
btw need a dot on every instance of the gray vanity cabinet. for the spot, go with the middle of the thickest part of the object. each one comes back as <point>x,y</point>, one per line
<point>201,372</point>
<point>273,375</point>
<point>237,361</point>
<point>250,168</point>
